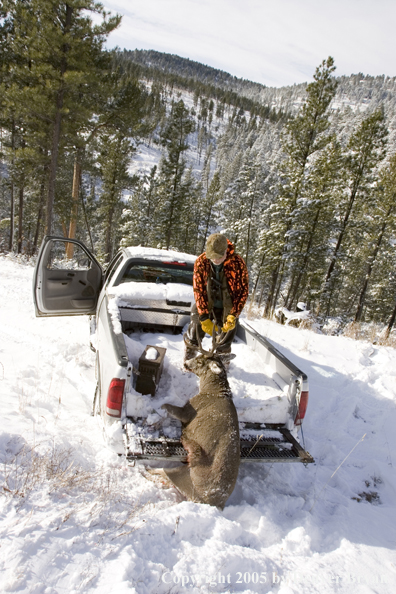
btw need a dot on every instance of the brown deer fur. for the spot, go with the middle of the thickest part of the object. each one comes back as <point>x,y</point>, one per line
<point>210,435</point>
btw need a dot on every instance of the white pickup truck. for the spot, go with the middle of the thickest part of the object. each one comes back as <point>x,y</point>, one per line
<point>138,310</point>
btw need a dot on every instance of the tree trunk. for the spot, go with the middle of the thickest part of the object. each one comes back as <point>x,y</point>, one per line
<point>86,222</point>
<point>108,239</point>
<point>279,284</point>
<point>54,163</point>
<point>57,130</point>
<point>250,224</point>
<point>258,276</point>
<point>109,226</point>
<point>261,295</point>
<point>12,217</point>
<point>74,211</point>
<point>256,283</point>
<point>270,298</point>
<point>12,206</point>
<point>39,215</point>
<point>341,237</point>
<point>291,291</point>
<point>20,219</point>
<point>390,323</point>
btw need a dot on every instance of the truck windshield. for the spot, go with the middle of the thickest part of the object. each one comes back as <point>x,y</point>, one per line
<point>142,271</point>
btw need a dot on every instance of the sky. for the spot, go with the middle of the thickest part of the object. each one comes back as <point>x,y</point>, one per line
<point>273,42</point>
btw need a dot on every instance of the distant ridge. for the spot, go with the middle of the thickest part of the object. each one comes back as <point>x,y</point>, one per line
<point>173,64</point>
<point>358,91</point>
<point>200,79</point>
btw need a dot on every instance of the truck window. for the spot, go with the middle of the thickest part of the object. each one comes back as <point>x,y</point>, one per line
<point>67,256</point>
<point>158,272</point>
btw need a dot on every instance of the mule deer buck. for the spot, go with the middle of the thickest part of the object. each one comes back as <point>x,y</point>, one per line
<point>210,435</point>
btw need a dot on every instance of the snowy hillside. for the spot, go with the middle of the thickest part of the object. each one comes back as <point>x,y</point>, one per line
<point>75,518</point>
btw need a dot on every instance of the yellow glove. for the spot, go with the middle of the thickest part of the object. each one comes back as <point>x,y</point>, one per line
<point>229,324</point>
<point>207,326</point>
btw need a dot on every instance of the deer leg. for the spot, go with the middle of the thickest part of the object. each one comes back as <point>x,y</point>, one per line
<point>185,413</point>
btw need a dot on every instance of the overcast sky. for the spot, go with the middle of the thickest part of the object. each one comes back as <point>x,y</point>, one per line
<point>274,42</point>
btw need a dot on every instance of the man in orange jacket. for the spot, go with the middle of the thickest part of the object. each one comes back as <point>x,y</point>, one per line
<point>221,288</point>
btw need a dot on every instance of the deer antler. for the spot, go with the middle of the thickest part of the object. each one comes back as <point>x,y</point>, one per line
<point>218,339</point>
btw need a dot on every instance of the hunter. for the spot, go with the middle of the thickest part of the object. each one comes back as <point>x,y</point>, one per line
<point>221,288</point>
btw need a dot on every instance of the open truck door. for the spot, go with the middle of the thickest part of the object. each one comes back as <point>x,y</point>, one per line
<point>67,278</point>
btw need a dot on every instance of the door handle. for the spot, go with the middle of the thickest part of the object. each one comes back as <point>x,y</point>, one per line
<point>56,282</point>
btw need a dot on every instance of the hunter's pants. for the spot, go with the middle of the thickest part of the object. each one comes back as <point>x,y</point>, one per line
<point>216,315</point>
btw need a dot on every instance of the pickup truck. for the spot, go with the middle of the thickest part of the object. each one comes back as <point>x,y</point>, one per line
<point>140,306</point>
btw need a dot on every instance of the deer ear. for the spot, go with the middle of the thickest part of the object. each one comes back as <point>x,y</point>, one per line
<point>214,367</point>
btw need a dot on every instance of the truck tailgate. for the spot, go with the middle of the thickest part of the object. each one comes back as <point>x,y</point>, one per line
<point>268,445</point>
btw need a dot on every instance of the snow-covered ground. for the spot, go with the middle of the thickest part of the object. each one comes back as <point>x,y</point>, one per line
<point>74,518</point>
<point>149,154</point>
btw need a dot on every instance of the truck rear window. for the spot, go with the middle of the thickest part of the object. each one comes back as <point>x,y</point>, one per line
<point>158,272</point>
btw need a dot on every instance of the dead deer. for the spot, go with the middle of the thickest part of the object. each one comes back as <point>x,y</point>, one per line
<point>210,435</point>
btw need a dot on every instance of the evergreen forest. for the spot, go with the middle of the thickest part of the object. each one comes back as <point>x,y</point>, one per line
<point>122,148</point>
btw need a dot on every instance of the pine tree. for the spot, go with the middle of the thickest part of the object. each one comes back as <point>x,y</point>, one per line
<point>313,226</point>
<point>383,223</point>
<point>209,213</point>
<point>241,205</point>
<point>121,105</point>
<point>306,136</point>
<point>139,215</point>
<point>114,162</point>
<point>174,138</point>
<point>58,58</point>
<point>187,233</point>
<point>366,149</point>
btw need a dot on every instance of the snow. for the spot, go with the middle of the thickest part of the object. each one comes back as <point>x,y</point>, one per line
<point>152,354</point>
<point>259,394</point>
<point>134,294</point>
<point>75,518</point>
<point>157,254</point>
<point>291,316</point>
<point>153,292</point>
<point>137,294</point>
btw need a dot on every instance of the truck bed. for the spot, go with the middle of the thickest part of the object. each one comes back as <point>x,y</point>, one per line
<point>262,395</point>
<point>259,393</point>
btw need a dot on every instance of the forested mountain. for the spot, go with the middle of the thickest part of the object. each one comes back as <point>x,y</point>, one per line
<point>356,91</point>
<point>146,148</point>
<point>171,64</point>
<point>181,73</point>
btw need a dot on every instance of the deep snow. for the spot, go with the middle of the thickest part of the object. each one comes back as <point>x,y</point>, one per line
<point>75,518</point>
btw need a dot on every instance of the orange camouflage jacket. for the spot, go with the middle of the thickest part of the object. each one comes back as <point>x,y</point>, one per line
<point>236,274</point>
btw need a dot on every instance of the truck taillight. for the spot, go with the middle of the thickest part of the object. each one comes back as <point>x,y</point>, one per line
<point>302,408</point>
<point>114,397</point>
